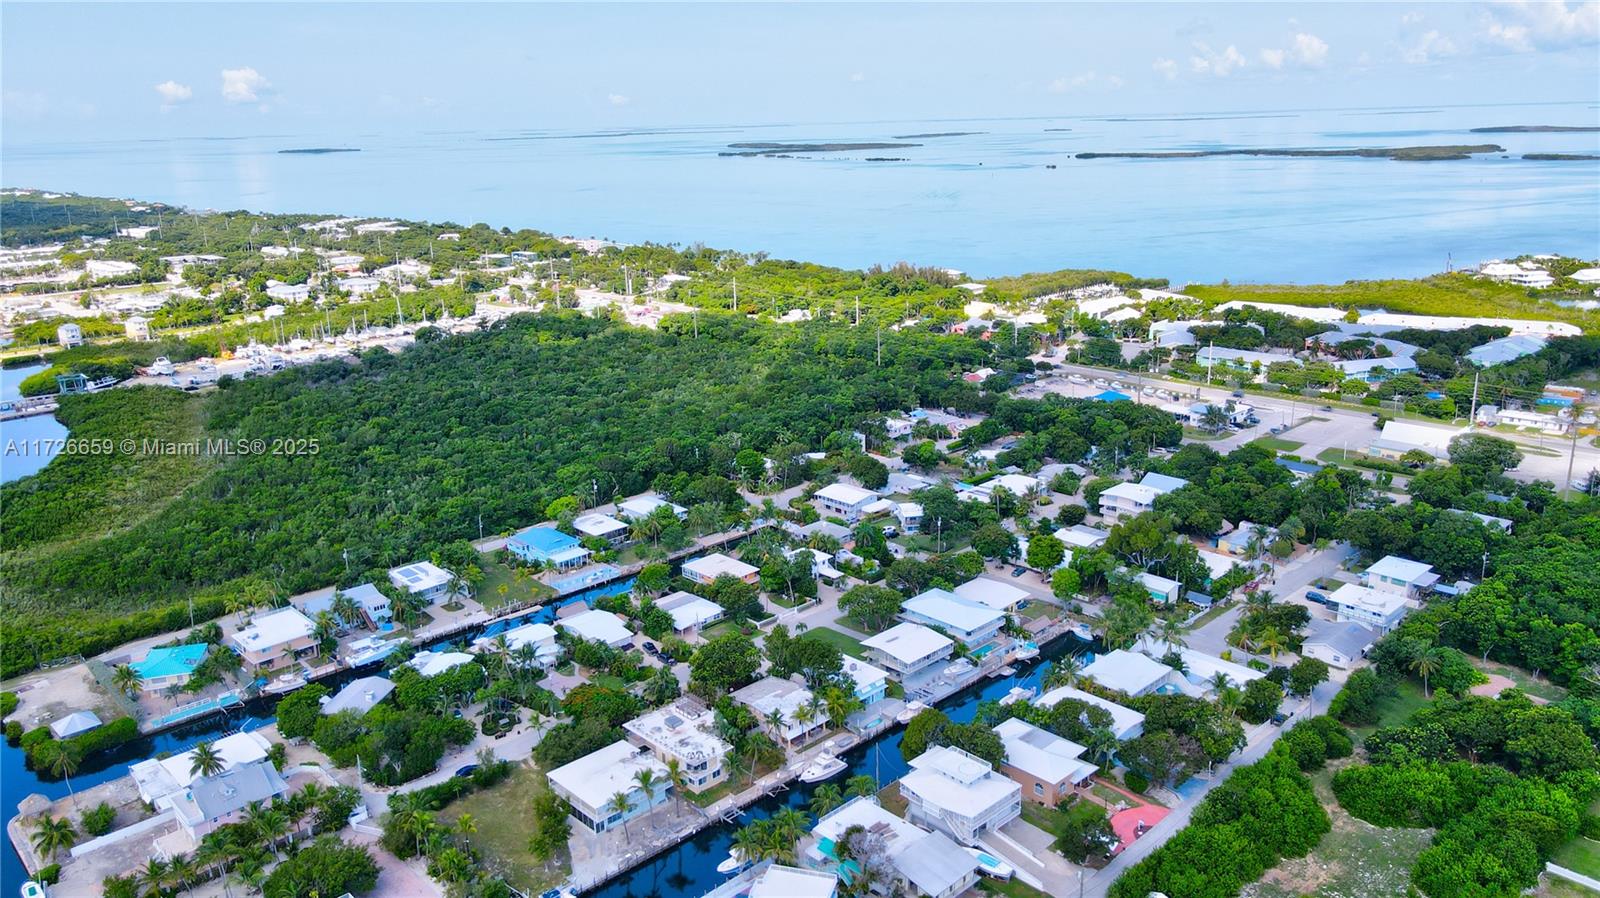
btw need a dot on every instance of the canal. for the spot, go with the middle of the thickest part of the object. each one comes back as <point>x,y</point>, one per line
<point>19,453</point>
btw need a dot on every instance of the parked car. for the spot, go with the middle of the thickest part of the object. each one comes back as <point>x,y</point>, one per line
<point>650,648</point>
<point>1327,408</point>
<point>1018,571</point>
<point>1280,718</point>
<point>1100,382</point>
<point>1077,378</point>
<point>891,532</point>
<point>1238,394</point>
<point>1149,391</point>
<point>1314,596</point>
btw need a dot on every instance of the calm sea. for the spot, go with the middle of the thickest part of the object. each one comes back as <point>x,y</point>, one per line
<point>20,452</point>
<point>988,203</point>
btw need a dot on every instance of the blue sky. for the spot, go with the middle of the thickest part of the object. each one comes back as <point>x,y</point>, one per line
<point>87,72</point>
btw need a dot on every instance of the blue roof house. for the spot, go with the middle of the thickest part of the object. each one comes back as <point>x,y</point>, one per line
<point>547,545</point>
<point>1111,396</point>
<point>166,667</point>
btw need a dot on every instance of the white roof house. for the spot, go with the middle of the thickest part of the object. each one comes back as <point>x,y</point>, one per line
<point>603,526</point>
<point>1400,437</point>
<point>959,793</point>
<point>1080,536</point>
<point>971,622</point>
<point>687,734</point>
<point>270,631</point>
<point>1380,609</point>
<point>907,648</point>
<point>360,695</point>
<point>871,682</point>
<point>930,862</point>
<point>845,500</point>
<point>786,697</point>
<point>1126,723</point>
<point>74,723</point>
<point>1161,589</point>
<point>779,881</point>
<point>1338,643</point>
<point>1201,669</point>
<point>541,636</point>
<point>1043,756</point>
<point>1129,672</point>
<point>1128,499</point>
<point>422,578</point>
<point>431,664</point>
<point>589,783</point>
<point>689,611</point>
<point>991,592</point>
<point>1391,573</point>
<point>1015,484</point>
<point>708,568</point>
<point>598,626</point>
<point>642,507</point>
<point>1505,349</point>
<point>160,778</point>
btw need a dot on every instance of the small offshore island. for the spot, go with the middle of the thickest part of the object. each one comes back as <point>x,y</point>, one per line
<point>1536,129</point>
<point>1400,154</point>
<point>318,151</point>
<point>779,149</point>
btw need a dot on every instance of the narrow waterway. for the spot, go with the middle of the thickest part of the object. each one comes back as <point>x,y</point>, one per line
<point>19,456</point>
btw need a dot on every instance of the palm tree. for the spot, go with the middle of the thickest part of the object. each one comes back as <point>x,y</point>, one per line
<point>679,781</point>
<point>1426,663</point>
<point>345,609</point>
<point>126,680</point>
<point>181,871</point>
<point>269,824</point>
<point>1269,640</point>
<point>51,835</point>
<point>775,721</point>
<point>1063,672</point>
<point>804,715</point>
<point>204,760</point>
<point>749,842</point>
<point>1261,598</point>
<point>153,876</point>
<point>63,763</point>
<point>825,799</point>
<point>1102,745</point>
<point>840,704</point>
<point>1171,632</point>
<point>788,826</point>
<point>619,804</point>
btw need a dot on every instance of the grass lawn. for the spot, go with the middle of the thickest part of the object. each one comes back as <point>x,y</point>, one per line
<point>1556,887</point>
<point>841,641</point>
<point>1215,611</point>
<point>845,623</point>
<point>891,799</point>
<point>1398,708</point>
<point>1582,855</point>
<point>1014,888</point>
<point>1277,444</point>
<point>1038,609</point>
<point>504,817</point>
<point>609,681</point>
<point>1354,860</point>
<point>518,589</point>
<point>1039,815</point>
<point>1205,436</point>
<point>1527,682</point>
<point>784,602</point>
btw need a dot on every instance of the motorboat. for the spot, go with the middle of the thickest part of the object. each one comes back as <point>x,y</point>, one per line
<point>163,366</point>
<point>1018,694</point>
<point>1082,631</point>
<point>824,766</point>
<point>32,889</point>
<point>370,649</point>
<point>1006,671</point>
<point>989,865</point>
<point>732,862</point>
<point>912,709</point>
<point>959,669</point>
<point>1025,651</point>
<point>288,682</point>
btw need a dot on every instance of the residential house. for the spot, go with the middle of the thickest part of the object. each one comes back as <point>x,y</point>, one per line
<point>909,514</point>
<point>72,724</point>
<point>640,507</point>
<point>275,639</point>
<point>1380,609</point>
<point>69,335</point>
<point>821,564</point>
<point>374,605</point>
<point>790,701</point>
<point>1338,643</point>
<point>108,268</point>
<point>991,592</point>
<point>1162,483</point>
<point>1400,437</point>
<point>424,579</point>
<point>602,526</point>
<point>598,626</point>
<point>844,501</point>
<point>707,568</point>
<point>159,779</point>
<point>591,783</point>
<point>548,546</point>
<point>1047,766</point>
<point>136,328</point>
<point>684,731</point>
<point>1126,723</point>
<point>1402,576</point>
<point>546,651</point>
<point>164,667</point>
<point>921,862</point>
<point>1375,370</point>
<point>211,802</point>
<point>1241,538</point>
<point>871,683</point>
<point>1127,500</point>
<point>1505,349</point>
<point>358,696</point>
<point>1301,470</point>
<point>1015,484</point>
<point>959,793</point>
<point>1082,537</point>
<point>971,622</point>
<point>1200,670</point>
<point>1160,588</point>
<point>288,292</point>
<point>431,664</point>
<point>1132,673</point>
<point>689,611</point>
<point>907,649</point>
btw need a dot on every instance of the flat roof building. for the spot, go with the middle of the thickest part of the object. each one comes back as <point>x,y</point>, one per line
<point>846,501</point>
<point>599,626</point>
<point>423,578</point>
<point>1379,609</point>
<point>643,506</point>
<point>590,783</point>
<point>1392,573</point>
<point>684,731</point>
<point>275,638</point>
<point>994,593</point>
<point>959,793</point>
<point>602,526</point>
<point>908,648</point>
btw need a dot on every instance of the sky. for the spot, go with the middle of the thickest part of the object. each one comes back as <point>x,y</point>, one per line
<point>82,72</point>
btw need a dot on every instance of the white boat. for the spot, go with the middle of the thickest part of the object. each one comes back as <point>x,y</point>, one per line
<point>732,862</point>
<point>162,366</point>
<point>1025,651</point>
<point>369,649</point>
<point>911,710</point>
<point>959,669</point>
<point>289,682</point>
<point>825,766</point>
<point>31,889</point>
<point>989,865</point>
<point>1082,631</point>
<point>1017,694</point>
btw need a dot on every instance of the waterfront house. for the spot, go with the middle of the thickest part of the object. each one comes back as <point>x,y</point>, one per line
<point>1126,723</point>
<point>1200,670</point>
<point>845,501</point>
<point>541,636</point>
<point>374,605</point>
<point>69,335</point>
<point>548,546</point>
<point>640,507</point>
<point>707,568</point>
<point>991,592</point>
<point>1401,576</point>
<point>870,683</point>
<point>602,526</point>
<point>907,649</point>
<point>1131,673</point>
<point>214,801</point>
<point>170,666</point>
<point>358,696</point>
<point>971,622</point>
<point>590,784</point>
<point>424,579</point>
<point>959,793</point>
<point>689,611</point>
<point>684,731</point>
<point>790,700</point>
<point>431,664</point>
<point>1047,766</point>
<point>598,626</point>
<point>275,639</point>
<point>922,862</point>
<point>1380,609</point>
<point>136,328</point>
<point>1338,643</point>
<point>158,779</point>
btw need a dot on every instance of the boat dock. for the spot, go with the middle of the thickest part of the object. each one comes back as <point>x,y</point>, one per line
<point>27,408</point>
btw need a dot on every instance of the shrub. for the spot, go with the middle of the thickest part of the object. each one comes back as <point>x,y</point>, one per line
<point>8,703</point>
<point>98,819</point>
<point>1135,781</point>
<point>49,874</point>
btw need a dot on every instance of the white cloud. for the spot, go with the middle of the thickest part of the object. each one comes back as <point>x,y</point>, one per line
<point>1430,46</point>
<point>172,93</point>
<point>1544,24</point>
<point>1210,62</point>
<point>1167,67</point>
<point>243,85</point>
<point>618,99</point>
<point>1310,50</point>
<point>1273,59</point>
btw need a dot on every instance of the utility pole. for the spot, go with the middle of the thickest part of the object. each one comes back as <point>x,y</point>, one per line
<point>1473,415</point>
<point>1211,359</point>
<point>1572,451</point>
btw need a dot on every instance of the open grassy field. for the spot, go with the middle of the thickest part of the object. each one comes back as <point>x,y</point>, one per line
<point>504,817</point>
<point>1277,444</point>
<point>1556,887</point>
<point>1354,860</point>
<point>516,588</point>
<point>1582,855</point>
<point>841,641</point>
